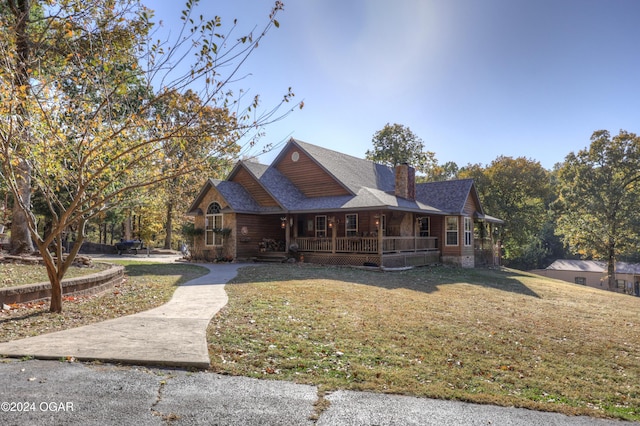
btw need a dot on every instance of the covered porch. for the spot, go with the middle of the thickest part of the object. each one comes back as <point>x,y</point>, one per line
<point>388,252</point>
<point>382,238</point>
<point>388,238</point>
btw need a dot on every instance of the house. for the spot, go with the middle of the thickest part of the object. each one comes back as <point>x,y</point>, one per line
<point>593,273</point>
<point>330,208</point>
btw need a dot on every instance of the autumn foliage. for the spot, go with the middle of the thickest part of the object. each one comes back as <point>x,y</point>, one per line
<point>92,108</point>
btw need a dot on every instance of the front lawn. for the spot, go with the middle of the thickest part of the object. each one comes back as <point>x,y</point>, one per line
<point>15,274</point>
<point>147,285</point>
<point>486,336</point>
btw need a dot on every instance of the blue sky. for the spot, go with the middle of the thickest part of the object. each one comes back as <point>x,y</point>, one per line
<point>474,79</point>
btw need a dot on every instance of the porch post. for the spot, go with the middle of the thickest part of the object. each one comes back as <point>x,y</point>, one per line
<point>287,235</point>
<point>416,229</point>
<point>380,239</point>
<point>334,233</point>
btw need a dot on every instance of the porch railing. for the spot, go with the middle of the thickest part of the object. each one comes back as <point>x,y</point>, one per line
<point>367,244</point>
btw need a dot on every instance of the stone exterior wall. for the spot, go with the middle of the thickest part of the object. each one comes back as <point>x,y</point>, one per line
<point>407,226</point>
<point>467,261</point>
<point>201,251</point>
<point>230,242</point>
<point>405,181</point>
<point>460,261</point>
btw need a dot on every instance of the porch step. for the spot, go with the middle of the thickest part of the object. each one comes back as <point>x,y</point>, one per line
<point>271,257</point>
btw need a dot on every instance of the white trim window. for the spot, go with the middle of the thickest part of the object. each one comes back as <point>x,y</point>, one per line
<point>468,231</point>
<point>451,237</point>
<point>321,226</point>
<point>351,225</point>
<point>212,222</point>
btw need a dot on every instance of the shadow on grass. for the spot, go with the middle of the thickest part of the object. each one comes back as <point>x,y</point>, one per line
<point>424,279</point>
<point>497,279</point>
<point>44,313</point>
<point>186,271</point>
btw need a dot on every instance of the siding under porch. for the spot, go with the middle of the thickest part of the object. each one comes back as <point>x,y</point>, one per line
<point>391,260</point>
<point>396,251</point>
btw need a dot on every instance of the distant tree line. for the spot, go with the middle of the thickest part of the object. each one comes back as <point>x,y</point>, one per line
<point>587,207</point>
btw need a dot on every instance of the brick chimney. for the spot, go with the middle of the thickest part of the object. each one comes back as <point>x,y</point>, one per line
<point>405,182</point>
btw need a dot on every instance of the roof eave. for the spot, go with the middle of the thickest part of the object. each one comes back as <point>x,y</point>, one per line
<point>276,199</point>
<point>194,206</point>
<point>475,191</point>
<point>490,219</point>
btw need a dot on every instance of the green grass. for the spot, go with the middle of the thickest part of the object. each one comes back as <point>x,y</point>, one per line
<point>147,285</point>
<point>486,336</point>
<point>12,275</point>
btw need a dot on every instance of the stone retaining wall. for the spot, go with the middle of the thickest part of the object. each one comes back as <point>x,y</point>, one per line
<point>85,285</point>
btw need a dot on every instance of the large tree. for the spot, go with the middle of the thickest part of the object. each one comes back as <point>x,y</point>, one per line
<point>201,129</point>
<point>396,144</point>
<point>599,194</point>
<point>441,172</point>
<point>518,191</point>
<point>81,122</point>
<point>16,19</point>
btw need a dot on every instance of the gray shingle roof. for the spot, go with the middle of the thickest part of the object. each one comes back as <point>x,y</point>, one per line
<point>238,198</point>
<point>276,184</point>
<point>578,265</point>
<point>599,266</point>
<point>257,169</point>
<point>372,186</point>
<point>627,268</point>
<point>353,172</point>
<point>449,196</point>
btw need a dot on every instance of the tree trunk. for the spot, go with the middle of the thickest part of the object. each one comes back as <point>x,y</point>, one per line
<point>611,266</point>
<point>57,267</point>
<point>169,227</point>
<point>21,242</point>
<point>56,295</point>
<point>20,236</point>
<point>54,273</point>
<point>127,228</point>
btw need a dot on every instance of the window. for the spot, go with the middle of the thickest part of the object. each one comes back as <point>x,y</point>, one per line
<point>580,280</point>
<point>321,226</point>
<point>425,226</point>
<point>621,284</point>
<point>351,225</point>
<point>468,231</point>
<point>212,222</point>
<point>452,230</point>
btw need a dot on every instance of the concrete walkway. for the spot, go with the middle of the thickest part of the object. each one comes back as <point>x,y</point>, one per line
<point>173,334</point>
